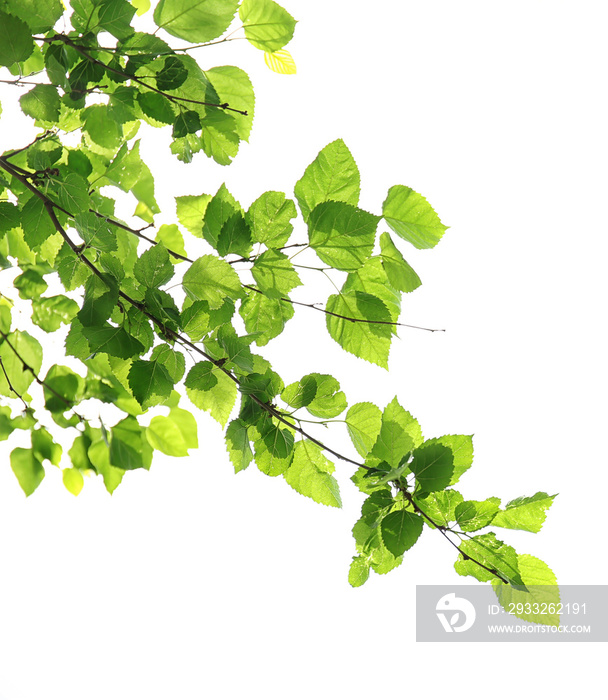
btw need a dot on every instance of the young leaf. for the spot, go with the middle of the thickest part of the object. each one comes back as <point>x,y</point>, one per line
<point>72,480</point>
<point>191,212</point>
<point>412,217</point>
<point>333,175</point>
<point>280,61</point>
<point>399,435</point>
<point>358,572</point>
<point>168,434</point>
<point>363,422</point>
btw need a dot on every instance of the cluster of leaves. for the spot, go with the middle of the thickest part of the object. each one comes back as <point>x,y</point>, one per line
<point>136,343</point>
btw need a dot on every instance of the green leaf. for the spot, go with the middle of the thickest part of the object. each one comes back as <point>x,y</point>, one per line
<point>16,42</point>
<point>44,447</point>
<point>191,212</point>
<point>112,340</point>
<point>9,216</point>
<point>171,237</point>
<point>399,435</point>
<point>165,434</point>
<point>173,361</point>
<point>412,217</point>
<point>269,217</point>
<point>16,348</point>
<point>72,480</point>
<point>329,401</point>
<point>101,128</point>
<point>211,390</point>
<point>100,297</point>
<point>274,451</point>
<point>235,237</point>
<point>211,280</point>
<point>267,25</point>
<point>299,394</point>
<point>41,102</point>
<point>39,15</point>
<point>342,235</point>
<point>363,422</point>
<point>114,16</point>
<point>219,138</point>
<point>99,455</point>
<point>172,75</point>
<point>234,88</point>
<point>440,506</point>
<point>264,317</point>
<point>433,465</point>
<point>474,515</point>
<point>62,389</point>
<point>28,470</point>
<point>238,445</point>
<point>150,383</point>
<point>129,448</point>
<point>274,274</point>
<point>187,122</point>
<point>156,106</point>
<point>492,553</point>
<point>154,269</point>
<point>72,193</point>
<point>222,207</point>
<point>399,273</point>
<point>400,531</point>
<point>358,572</point>
<point>361,324</point>
<point>95,232</point>
<point>36,223</point>
<point>462,452</point>
<point>196,21</point>
<point>333,175</point>
<point>236,347</point>
<point>525,513</point>
<point>372,279</point>
<point>30,284</point>
<point>540,603</point>
<point>280,61</point>
<point>310,474</point>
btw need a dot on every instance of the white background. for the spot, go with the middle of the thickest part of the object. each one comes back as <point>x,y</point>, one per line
<point>191,582</point>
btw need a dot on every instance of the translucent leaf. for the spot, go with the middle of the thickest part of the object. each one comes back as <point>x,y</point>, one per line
<point>474,515</point>
<point>400,531</point>
<point>329,401</point>
<point>18,347</point>
<point>264,316</point>
<point>412,217</point>
<point>234,88</point>
<point>72,480</point>
<point>238,445</point>
<point>299,394</point>
<point>129,448</point>
<point>267,25</point>
<point>280,61</point>
<point>399,434</point>
<point>36,223</point>
<point>44,447</point>
<point>196,21</point>
<point>28,470</point>
<point>398,271</point>
<point>164,434</point>
<point>211,390</point>
<point>41,102</point>
<point>235,237</point>
<point>40,15</point>
<point>219,138</point>
<point>15,40</point>
<point>62,389</point>
<point>269,217</point>
<point>525,513</point>
<point>171,237</point>
<point>358,572</point>
<point>100,297</point>
<point>540,603</point>
<point>333,175</point>
<point>493,554</point>
<point>221,207</point>
<point>112,340</point>
<point>363,422</point>
<point>371,278</point>
<point>310,474</point>
<point>173,361</point>
<point>342,235</point>
<point>369,341</point>
<point>274,274</point>
<point>191,211</point>
<point>154,269</point>
<point>211,279</point>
